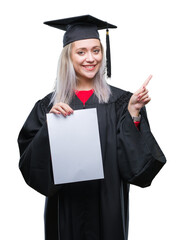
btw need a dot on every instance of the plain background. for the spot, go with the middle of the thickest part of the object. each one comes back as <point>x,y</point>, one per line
<point>149,40</point>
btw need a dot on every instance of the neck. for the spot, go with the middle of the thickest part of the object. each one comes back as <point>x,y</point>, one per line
<point>84,85</point>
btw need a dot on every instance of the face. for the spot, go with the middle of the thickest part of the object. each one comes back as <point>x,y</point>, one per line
<point>86,56</point>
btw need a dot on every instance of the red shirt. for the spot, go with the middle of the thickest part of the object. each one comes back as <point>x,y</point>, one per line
<point>84,95</point>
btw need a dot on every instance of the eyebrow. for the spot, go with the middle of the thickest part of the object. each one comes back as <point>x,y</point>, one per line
<point>83,48</point>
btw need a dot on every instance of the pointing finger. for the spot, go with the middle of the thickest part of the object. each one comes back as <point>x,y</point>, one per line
<point>147,81</point>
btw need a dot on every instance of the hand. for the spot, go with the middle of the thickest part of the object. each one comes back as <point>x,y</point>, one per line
<point>61,108</point>
<point>139,99</point>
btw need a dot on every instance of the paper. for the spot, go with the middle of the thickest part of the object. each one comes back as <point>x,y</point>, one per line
<point>75,146</point>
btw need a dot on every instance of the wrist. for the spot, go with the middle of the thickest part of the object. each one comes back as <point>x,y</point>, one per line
<point>137,119</point>
<point>133,112</point>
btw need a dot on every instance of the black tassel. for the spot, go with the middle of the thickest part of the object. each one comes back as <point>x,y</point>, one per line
<point>108,54</point>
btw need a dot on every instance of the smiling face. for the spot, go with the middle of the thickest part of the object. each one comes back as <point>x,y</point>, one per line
<point>86,56</point>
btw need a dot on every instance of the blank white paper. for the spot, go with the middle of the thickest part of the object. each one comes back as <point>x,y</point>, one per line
<point>75,146</point>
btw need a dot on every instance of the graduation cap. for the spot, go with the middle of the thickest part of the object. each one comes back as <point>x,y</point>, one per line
<point>84,27</point>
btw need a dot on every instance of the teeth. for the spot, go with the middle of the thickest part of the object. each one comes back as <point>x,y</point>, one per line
<point>89,67</point>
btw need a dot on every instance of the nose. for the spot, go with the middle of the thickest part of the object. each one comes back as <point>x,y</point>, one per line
<point>89,57</point>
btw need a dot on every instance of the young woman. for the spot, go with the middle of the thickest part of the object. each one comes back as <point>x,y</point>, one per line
<point>97,209</point>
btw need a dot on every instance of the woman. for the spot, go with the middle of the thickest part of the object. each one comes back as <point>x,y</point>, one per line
<point>98,209</point>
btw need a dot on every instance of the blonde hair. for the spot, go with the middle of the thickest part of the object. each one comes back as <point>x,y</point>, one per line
<point>66,80</point>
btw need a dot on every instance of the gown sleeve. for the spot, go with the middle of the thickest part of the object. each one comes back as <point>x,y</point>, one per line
<point>35,160</point>
<point>139,155</point>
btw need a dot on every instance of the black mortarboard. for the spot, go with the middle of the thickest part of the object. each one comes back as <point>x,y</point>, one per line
<point>83,27</point>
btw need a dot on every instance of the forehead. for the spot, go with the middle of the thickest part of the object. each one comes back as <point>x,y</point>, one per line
<point>86,43</point>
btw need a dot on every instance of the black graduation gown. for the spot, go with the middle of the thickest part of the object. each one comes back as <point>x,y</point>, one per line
<point>98,209</point>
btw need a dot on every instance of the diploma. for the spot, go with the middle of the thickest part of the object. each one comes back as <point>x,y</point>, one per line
<point>75,146</point>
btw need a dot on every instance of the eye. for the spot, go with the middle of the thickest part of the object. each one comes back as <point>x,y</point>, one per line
<point>81,53</point>
<point>96,51</point>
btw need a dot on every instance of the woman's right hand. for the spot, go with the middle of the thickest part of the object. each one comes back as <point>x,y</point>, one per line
<point>61,108</point>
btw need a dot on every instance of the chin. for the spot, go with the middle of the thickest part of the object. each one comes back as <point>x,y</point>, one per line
<point>89,76</point>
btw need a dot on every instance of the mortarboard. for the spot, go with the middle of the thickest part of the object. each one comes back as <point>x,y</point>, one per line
<point>83,27</point>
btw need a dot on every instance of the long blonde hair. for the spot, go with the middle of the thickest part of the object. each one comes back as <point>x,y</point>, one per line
<point>66,80</point>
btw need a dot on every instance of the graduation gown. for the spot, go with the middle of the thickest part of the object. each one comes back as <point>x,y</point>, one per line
<point>97,209</point>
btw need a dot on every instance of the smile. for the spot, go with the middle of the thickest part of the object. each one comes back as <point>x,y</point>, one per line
<point>89,67</point>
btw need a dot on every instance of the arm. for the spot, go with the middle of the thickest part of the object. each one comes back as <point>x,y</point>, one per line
<point>35,161</point>
<point>139,155</point>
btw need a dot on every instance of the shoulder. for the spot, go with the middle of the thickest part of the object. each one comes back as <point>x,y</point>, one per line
<point>119,95</point>
<point>46,100</point>
<point>45,103</point>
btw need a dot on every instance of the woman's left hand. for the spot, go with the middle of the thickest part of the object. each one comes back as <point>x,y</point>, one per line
<point>139,99</point>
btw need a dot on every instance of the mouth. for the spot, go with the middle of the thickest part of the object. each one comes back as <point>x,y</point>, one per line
<point>89,67</point>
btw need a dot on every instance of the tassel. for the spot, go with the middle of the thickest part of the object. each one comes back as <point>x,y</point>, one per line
<point>108,54</point>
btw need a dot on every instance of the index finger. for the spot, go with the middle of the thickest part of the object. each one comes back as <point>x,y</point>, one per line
<point>65,107</point>
<point>147,81</point>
